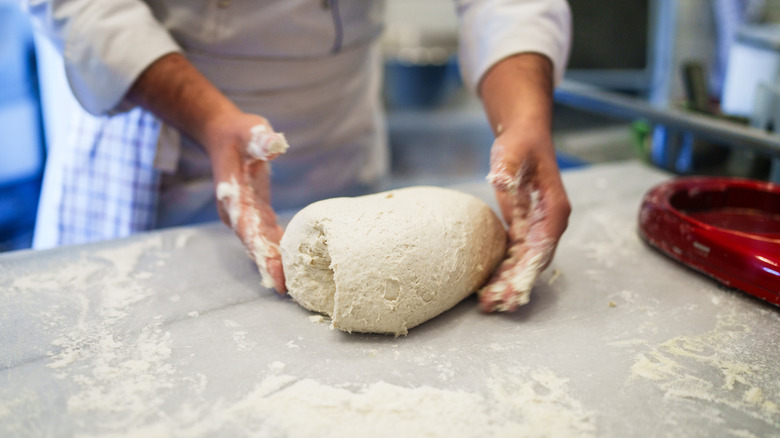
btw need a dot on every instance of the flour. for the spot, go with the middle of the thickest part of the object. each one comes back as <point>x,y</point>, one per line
<point>239,336</point>
<point>126,258</point>
<point>526,403</point>
<point>26,401</point>
<point>76,273</point>
<point>242,343</point>
<point>229,323</point>
<point>260,248</point>
<point>266,144</point>
<point>708,368</point>
<point>183,238</point>
<point>124,378</point>
<point>112,374</point>
<point>229,195</point>
<point>614,243</point>
<point>529,252</point>
<point>316,318</point>
<point>291,344</point>
<point>544,402</point>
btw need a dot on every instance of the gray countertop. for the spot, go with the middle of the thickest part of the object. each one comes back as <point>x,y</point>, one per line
<point>170,334</point>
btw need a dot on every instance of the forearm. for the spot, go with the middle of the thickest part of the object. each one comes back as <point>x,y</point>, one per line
<point>517,94</point>
<point>174,90</point>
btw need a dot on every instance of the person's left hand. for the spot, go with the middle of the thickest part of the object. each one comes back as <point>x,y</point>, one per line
<point>528,186</point>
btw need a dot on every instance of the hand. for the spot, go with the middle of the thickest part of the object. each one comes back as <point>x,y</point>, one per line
<point>241,146</point>
<point>517,95</point>
<point>529,190</point>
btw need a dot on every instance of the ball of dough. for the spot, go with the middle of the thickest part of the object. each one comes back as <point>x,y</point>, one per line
<point>387,262</point>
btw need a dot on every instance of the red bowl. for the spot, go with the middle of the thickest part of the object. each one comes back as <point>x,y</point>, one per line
<point>727,228</point>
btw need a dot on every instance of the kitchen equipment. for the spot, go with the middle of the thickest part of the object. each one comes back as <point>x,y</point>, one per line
<point>754,58</point>
<point>419,45</point>
<point>727,228</point>
<point>420,68</point>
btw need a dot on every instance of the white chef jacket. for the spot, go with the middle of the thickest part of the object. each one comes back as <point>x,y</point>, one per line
<point>311,67</point>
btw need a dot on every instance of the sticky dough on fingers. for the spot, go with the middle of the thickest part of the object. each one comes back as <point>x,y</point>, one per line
<point>266,144</point>
<point>248,224</point>
<point>511,284</point>
<point>247,221</point>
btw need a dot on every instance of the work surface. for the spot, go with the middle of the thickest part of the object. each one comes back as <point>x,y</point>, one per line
<point>171,334</point>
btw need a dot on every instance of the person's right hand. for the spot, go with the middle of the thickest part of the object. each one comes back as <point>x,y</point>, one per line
<point>241,146</point>
<point>528,186</point>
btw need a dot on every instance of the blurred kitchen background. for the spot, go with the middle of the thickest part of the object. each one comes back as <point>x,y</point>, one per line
<point>690,86</point>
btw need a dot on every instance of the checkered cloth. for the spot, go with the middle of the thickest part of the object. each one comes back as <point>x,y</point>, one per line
<point>108,185</point>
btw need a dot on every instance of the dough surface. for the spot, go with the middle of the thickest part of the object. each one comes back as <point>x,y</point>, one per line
<point>387,262</point>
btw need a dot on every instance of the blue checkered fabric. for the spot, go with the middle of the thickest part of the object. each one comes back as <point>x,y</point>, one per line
<point>109,183</point>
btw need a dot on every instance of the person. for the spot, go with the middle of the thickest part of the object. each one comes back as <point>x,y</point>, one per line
<point>174,91</point>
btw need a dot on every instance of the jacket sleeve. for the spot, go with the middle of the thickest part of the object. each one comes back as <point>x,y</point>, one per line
<point>106,45</point>
<point>491,30</point>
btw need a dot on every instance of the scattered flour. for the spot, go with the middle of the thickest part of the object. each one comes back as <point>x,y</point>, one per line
<point>708,367</point>
<point>613,243</point>
<point>276,367</point>
<point>126,378</point>
<point>145,275</point>
<point>242,343</point>
<point>114,375</point>
<point>316,318</point>
<point>126,257</point>
<point>76,273</point>
<point>183,238</point>
<point>117,364</point>
<point>529,404</point>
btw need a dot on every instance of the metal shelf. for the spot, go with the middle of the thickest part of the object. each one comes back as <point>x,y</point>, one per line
<point>591,99</point>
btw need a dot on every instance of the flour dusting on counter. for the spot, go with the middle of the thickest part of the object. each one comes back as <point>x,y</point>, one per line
<point>87,353</point>
<point>613,242</point>
<point>183,238</point>
<point>714,367</point>
<point>113,373</point>
<point>522,403</point>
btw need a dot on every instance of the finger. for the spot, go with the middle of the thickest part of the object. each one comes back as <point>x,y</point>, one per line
<point>261,238</point>
<point>511,285</point>
<point>276,271</point>
<point>265,144</point>
<point>498,296</point>
<point>268,260</point>
<point>229,201</point>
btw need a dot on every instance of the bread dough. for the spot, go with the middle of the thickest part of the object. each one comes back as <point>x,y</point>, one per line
<point>387,262</point>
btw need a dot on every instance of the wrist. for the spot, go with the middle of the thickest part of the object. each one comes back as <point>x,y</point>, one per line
<point>517,93</point>
<point>216,131</point>
<point>174,90</point>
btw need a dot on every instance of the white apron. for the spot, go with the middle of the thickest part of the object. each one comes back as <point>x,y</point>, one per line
<point>312,71</point>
